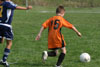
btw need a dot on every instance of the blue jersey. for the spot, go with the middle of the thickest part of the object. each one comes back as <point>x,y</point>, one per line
<point>6,12</point>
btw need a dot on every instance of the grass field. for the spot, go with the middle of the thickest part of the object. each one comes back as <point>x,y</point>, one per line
<point>26,52</point>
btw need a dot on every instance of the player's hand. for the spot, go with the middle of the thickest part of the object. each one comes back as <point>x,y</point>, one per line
<point>38,37</point>
<point>29,7</point>
<point>79,34</point>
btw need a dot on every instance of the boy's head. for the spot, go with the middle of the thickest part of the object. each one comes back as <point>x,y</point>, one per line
<point>60,11</point>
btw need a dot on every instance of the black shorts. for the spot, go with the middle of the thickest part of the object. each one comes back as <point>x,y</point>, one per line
<point>6,31</point>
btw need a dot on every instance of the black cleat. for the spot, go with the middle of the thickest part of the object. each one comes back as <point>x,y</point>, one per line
<point>4,63</point>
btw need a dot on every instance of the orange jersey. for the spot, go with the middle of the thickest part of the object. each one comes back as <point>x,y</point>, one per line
<point>55,38</point>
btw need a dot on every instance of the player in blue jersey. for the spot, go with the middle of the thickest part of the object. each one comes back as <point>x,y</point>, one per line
<point>7,8</point>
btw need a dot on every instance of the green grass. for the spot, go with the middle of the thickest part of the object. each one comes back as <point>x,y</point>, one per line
<point>26,52</point>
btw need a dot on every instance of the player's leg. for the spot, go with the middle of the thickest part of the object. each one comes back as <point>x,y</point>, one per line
<point>52,53</point>
<point>47,54</point>
<point>61,57</point>
<point>8,34</point>
<point>7,50</point>
<point>6,53</point>
<point>1,40</point>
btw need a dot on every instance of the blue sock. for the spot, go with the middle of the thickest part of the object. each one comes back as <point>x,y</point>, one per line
<point>6,53</point>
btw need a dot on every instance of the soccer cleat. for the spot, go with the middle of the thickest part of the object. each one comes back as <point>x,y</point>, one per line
<point>57,66</point>
<point>44,56</point>
<point>4,63</point>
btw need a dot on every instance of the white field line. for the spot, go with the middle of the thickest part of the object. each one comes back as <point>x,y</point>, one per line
<point>70,11</point>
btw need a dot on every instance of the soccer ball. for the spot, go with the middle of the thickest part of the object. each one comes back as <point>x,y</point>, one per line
<point>85,57</point>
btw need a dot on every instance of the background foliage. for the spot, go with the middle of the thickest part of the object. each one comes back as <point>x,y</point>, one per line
<point>68,3</point>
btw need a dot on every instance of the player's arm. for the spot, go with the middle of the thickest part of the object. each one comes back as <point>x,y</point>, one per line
<point>23,8</point>
<point>78,33</point>
<point>44,26</point>
<point>69,25</point>
<point>14,6</point>
<point>39,34</point>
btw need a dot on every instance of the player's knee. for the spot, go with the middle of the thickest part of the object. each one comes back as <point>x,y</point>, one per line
<point>9,43</point>
<point>9,46</point>
<point>56,52</point>
<point>63,51</point>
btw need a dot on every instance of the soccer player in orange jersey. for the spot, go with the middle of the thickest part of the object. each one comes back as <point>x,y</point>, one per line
<point>55,38</point>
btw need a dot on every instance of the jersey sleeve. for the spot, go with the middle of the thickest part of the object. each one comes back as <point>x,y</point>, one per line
<point>46,23</point>
<point>66,23</point>
<point>11,5</point>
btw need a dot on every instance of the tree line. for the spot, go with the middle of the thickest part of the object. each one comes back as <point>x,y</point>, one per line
<point>67,3</point>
